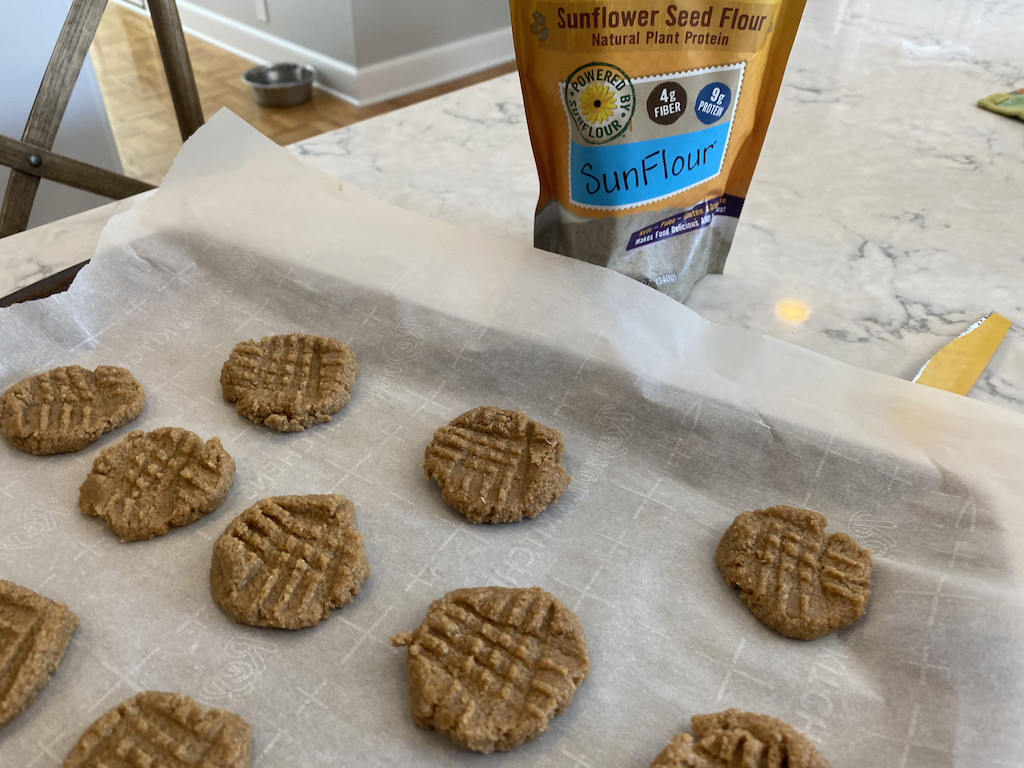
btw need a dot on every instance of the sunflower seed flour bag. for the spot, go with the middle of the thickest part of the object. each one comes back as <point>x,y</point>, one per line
<point>646,120</point>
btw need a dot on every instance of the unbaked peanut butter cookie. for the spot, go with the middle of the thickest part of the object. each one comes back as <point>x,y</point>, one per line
<point>289,382</point>
<point>287,561</point>
<point>155,728</point>
<point>734,739</point>
<point>153,481</point>
<point>64,409</point>
<point>496,466</point>
<point>490,666</point>
<point>797,579</point>
<point>34,633</point>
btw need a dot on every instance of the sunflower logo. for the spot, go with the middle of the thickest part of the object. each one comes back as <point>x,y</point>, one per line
<point>597,103</point>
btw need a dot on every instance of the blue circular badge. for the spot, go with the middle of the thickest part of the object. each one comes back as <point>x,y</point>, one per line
<point>712,102</point>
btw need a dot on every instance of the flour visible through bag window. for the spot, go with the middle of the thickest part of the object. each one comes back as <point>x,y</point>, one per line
<point>646,121</point>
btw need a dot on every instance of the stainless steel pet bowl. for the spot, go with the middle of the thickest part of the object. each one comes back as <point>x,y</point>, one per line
<point>280,85</point>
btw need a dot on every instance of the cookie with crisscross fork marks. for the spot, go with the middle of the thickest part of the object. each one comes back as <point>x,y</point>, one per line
<point>287,561</point>
<point>490,666</point>
<point>153,481</point>
<point>155,728</point>
<point>734,739</point>
<point>496,466</point>
<point>64,409</point>
<point>34,632</point>
<point>289,382</point>
<point>800,581</point>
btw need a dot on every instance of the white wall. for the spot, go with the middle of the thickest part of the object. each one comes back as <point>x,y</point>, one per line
<point>390,29</point>
<point>324,26</point>
<point>363,50</point>
<point>28,32</point>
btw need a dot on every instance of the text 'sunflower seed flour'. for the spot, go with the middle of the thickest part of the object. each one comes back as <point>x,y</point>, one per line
<point>646,120</point>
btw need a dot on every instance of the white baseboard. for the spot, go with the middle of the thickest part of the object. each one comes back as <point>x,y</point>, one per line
<point>359,85</point>
<point>415,71</point>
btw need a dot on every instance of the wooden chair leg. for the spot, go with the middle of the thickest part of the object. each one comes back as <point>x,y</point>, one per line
<point>171,42</point>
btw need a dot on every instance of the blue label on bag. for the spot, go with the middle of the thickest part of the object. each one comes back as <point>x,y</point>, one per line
<point>635,141</point>
<point>621,175</point>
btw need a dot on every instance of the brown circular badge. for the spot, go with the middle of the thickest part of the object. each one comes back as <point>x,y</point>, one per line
<point>666,103</point>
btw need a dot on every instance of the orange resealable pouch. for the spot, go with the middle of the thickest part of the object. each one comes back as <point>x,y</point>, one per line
<point>646,120</point>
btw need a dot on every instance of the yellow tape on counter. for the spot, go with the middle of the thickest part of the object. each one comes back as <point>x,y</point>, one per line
<point>957,366</point>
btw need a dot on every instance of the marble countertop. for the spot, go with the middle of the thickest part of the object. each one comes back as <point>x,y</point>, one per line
<point>885,203</point>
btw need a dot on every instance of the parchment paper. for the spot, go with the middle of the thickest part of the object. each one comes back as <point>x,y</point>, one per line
<point>672,425</point>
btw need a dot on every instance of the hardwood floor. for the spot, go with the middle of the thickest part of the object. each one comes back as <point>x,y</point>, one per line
<point>131,78</point>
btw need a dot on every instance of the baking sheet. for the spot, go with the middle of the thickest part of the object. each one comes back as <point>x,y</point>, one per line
<point>672,427</point>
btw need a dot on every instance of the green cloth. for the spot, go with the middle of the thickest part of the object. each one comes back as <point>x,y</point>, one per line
<point>1009,104</point>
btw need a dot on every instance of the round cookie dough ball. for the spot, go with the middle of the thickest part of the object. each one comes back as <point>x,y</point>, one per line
<point>288,561</point>
<point>496,466</point>
<point>490,666</point>
<point>65,409</point>
<point>735,739</point>
<point>289,382</point>
<point>794,577</point>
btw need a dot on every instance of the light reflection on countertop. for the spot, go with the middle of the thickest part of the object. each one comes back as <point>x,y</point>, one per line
<point>792,311</point>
